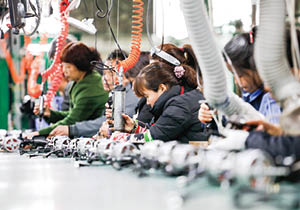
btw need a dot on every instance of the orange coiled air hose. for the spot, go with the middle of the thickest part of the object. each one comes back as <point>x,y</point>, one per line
<point>25,62</point>
<point>137,29</point>
<point>33,88</point>
<point>55,72</point>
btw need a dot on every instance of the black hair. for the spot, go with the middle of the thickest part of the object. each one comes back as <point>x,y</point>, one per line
<point>240,50</point>
<point>158,73</point>
<point>80,55</point>
<point>142,62</point>
<point>117,55</point>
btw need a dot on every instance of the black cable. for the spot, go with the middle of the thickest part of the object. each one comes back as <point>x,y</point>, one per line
<point>148,28</point>
<point>36,14</point>
<point>111,30</point>
<point>107,15</point>
<point>99,65</point>
<point>100,10</point>
<point>96,34</point>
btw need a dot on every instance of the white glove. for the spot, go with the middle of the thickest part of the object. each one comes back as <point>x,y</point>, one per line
<point>234,140</point>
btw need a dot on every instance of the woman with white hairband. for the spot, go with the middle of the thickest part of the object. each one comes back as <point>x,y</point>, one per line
<point>175,112</point>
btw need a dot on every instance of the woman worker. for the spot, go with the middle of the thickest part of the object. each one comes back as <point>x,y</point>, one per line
<point>87,96</point>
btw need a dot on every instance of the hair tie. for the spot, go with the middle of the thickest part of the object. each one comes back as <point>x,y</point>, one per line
<point>179,71</point>
<point>251,37</point>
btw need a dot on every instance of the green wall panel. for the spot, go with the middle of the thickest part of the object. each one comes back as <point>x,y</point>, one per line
<point>4,94</point>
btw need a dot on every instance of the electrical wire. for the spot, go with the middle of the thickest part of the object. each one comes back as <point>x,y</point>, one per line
<point>148,23</point>
<point>106,15</point>
<point>110,28</point>
<point>148,27</point>
<point>163,26</point>
<point>36,14</point>
<point>100,10</point>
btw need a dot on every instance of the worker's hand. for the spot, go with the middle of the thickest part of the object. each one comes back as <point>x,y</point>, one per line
<point>204,114</point>
<point>36,109</point>
<point>129,123</point>
<point>268,127</point>
<point>61,130</point>
<point>108,113</point>
<point>104,131</point>
<point>32,134</point>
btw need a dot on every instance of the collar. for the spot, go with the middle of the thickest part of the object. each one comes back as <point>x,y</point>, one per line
<point>158,107</point>
<point>249,97</point>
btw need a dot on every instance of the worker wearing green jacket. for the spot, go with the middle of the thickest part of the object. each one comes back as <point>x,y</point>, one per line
<point>87,96</point>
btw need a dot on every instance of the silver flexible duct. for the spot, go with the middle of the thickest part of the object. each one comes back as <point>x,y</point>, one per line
<point>270,50</point>
<point>272,64</point>
<point>212,64</point>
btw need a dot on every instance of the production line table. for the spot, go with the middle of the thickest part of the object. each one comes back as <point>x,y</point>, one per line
<point>55,184</point>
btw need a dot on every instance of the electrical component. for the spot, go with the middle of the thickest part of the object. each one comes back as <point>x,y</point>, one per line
<point>179,159</point>
<point>164,152</point>
<point>10,143</point>
<point>123,154</point>
<point>82,147</point>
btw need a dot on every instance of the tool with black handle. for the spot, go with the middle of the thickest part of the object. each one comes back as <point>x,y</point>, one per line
<point>41,102</point>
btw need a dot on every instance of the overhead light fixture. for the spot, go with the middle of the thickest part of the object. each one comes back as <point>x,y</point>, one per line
<point>85,25</point>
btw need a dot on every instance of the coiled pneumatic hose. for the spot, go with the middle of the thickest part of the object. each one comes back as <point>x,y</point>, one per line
<point>55,72</point>
<point>212,64</point>
<point>137,29</point>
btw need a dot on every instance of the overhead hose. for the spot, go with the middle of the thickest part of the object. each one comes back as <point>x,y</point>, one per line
<point>270,50</point>
<point>25,62</point>
<point>272,64</point>
<point>137,29</point>
<point>55,72</point>
<point>212,64</point>
<point>34,89</point>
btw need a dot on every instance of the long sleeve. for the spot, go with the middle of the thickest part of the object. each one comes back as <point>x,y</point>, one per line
<point>83,110</point>
<point>87,102</point>
<point>86,128</point>
<point>274,145</point>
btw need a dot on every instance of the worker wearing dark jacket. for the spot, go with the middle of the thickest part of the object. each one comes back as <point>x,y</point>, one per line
<point>87,96</point>
<point>276,146</point>
<point>175,112</point>
<point>175,116</point>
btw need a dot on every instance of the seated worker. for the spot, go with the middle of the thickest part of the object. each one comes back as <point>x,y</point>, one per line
<point>65,85</point>
<point>268,136</point>
<point>91,127</point>
<point>60,102</point>
<point>184,55</point>
<point>142,110</point>
<point>240,50</point>
<point>175,112</point>
<point>87,96</point>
